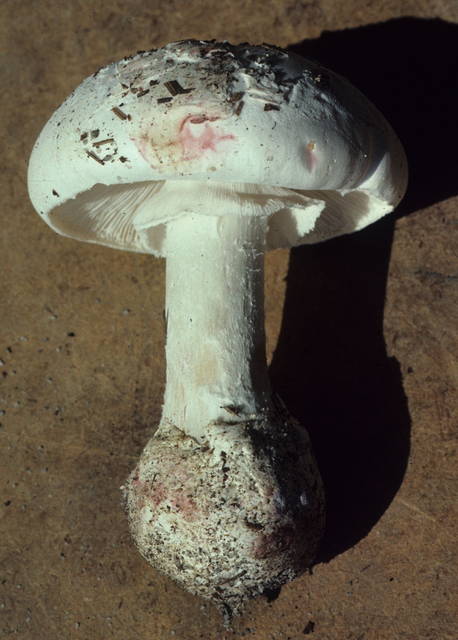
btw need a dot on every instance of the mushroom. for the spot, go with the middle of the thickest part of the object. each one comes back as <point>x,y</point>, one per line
<point>210,154</point>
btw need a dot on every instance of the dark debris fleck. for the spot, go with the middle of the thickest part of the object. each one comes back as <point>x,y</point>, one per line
<point>121,115</point>
<point>174,87</point>
<point>235,97</point>
<point>309,628</point>
<point>99,143</point>
<point>239,108</point>
<point>92,155</point>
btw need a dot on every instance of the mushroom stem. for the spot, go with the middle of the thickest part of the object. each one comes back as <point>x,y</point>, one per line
<point>226,498</point>
<point>216,361</point>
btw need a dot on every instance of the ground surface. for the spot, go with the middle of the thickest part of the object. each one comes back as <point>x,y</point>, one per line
<point>363,333</point>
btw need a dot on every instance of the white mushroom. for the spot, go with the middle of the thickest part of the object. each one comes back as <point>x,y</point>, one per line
<point>210,154</point>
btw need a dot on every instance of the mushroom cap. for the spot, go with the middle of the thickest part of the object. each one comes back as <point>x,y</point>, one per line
<point>213,128</point>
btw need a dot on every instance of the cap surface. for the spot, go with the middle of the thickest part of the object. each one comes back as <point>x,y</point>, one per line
<point>199,123</point>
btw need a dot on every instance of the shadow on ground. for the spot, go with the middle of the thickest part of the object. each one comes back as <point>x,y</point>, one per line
<point>330,366</point>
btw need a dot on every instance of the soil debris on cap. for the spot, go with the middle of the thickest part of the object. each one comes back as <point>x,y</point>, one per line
<point>92,155</point>
<point>235,97</point>
<point>121,115</point>
<point>99,143</point>
<point>175,87</point>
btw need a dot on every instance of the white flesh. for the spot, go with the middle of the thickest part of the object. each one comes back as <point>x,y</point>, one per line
<point>216,363</point>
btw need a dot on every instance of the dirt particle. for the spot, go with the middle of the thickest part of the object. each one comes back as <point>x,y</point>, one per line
<point>174,87</point>
<point>120,114</point>
<point>256,526</point>
<point>235,97</point>
<point>309,628</point>
<point>102,142</point>
<point>92,155</point>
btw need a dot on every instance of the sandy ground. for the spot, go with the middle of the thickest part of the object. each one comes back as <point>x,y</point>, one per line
<point>362,333</point>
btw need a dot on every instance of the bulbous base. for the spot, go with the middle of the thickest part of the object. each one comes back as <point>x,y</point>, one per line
<point>231,516</point>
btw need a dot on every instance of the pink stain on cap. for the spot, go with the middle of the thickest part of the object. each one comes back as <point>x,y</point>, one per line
<point>195,143</point>
<point>192,139</point>
<point>310,157</point>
